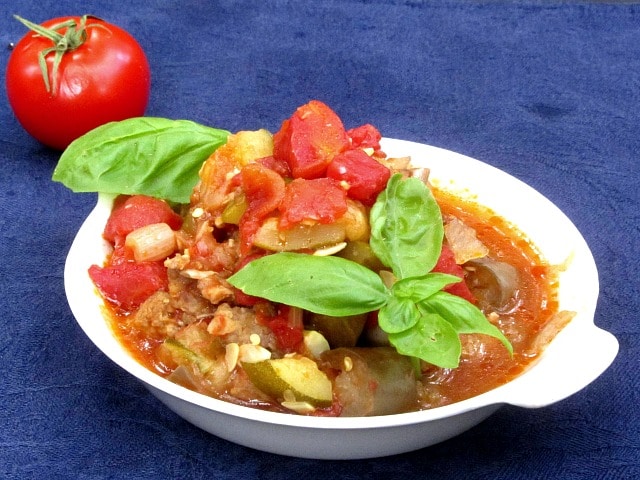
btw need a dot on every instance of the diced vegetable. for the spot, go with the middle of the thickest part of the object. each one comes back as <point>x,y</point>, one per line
<point>299,237</point>
<point>492,282</point>
<point>216,174</point>
<point>373,335</point>
<point>355,221</point>
<point>264,190</point>
<point>277,165</point>
<point>339,331</point>
<point>234,210</point>
<point>287,326</point>
<point>447,264</point>
<point>372,381</point>
<point>251,145</point>
<point>128,284</point>
<point>365,136</point>
<point>182,355</point>
<point>202,356</point>
<point>152,242</point>
<point>364,176</point>
<point>291,379</point>
<point>321,200</point>
<point>131,213</point>
<point>463,241</point>
<point>309,140</point>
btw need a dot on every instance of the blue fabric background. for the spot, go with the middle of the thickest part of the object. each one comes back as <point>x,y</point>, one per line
<point>548,91</point>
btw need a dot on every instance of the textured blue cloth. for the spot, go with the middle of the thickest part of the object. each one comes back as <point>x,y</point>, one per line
<point>548,91</point>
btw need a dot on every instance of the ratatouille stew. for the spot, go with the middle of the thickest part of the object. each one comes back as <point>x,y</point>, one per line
<point>310,273</point>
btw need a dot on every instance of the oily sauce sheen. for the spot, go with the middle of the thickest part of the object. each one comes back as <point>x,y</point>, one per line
<point>485,363</point>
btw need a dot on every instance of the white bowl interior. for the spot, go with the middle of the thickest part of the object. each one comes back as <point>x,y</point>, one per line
<point>578,355</point>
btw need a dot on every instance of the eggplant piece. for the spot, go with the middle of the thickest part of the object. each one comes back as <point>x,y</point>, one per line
<point>339,331</point>
<point>493,283</point>
<point>374,336</point>
<point>372,381</point>
<point>198,357</point>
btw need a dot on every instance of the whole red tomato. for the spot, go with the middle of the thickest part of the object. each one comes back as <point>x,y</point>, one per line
<point>104,76</point>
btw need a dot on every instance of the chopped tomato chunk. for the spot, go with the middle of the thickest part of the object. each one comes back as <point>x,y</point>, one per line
<point>365,176</point>
<point>288,333</point>
<point>131,213</point>
<point>121,254</point>
<point>447,264</point>
<point>321,200</point>
<point>128,284</point>
<point>309,140</point>
<point>264,190</point>
<point>288,337</point>
<point>277,165</point>
<point>365,136</point>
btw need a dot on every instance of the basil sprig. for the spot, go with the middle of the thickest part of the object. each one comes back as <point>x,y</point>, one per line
<point>153,156</point>
<point>406,227</point>
<point>420,319</point>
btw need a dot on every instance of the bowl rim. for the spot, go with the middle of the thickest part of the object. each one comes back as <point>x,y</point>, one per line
<point>85,305</point>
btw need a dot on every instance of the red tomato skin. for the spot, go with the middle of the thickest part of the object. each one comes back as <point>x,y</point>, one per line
<point>264,190</point>
<point>128,284</point>
<point>106,79</point>
<point>132,212</point>
<point>289,336</point>
<point>365,136</point>
<point>447,264</point>
<point>309,140</point>
<point>279,166</point>
<point>320,200</point>
<point>365,176</point>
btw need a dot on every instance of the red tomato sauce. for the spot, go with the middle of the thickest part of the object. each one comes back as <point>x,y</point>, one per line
<point>481,369</point>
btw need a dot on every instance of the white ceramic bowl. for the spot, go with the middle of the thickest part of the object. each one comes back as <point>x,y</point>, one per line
<point>579,354</point>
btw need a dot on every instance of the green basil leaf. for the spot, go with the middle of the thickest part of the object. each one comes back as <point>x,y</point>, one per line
<point>146,155</point>
<point>463,316</point>
<point>420,288</point>
<point>398,315</point>
<point>406,227</point>
<point>325,285</point>
<point>431,339</point>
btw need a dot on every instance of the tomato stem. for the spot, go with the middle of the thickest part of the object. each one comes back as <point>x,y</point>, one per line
<point>74,36</point>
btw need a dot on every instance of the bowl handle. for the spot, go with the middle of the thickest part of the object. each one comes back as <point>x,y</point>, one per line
<point>571,362</point>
